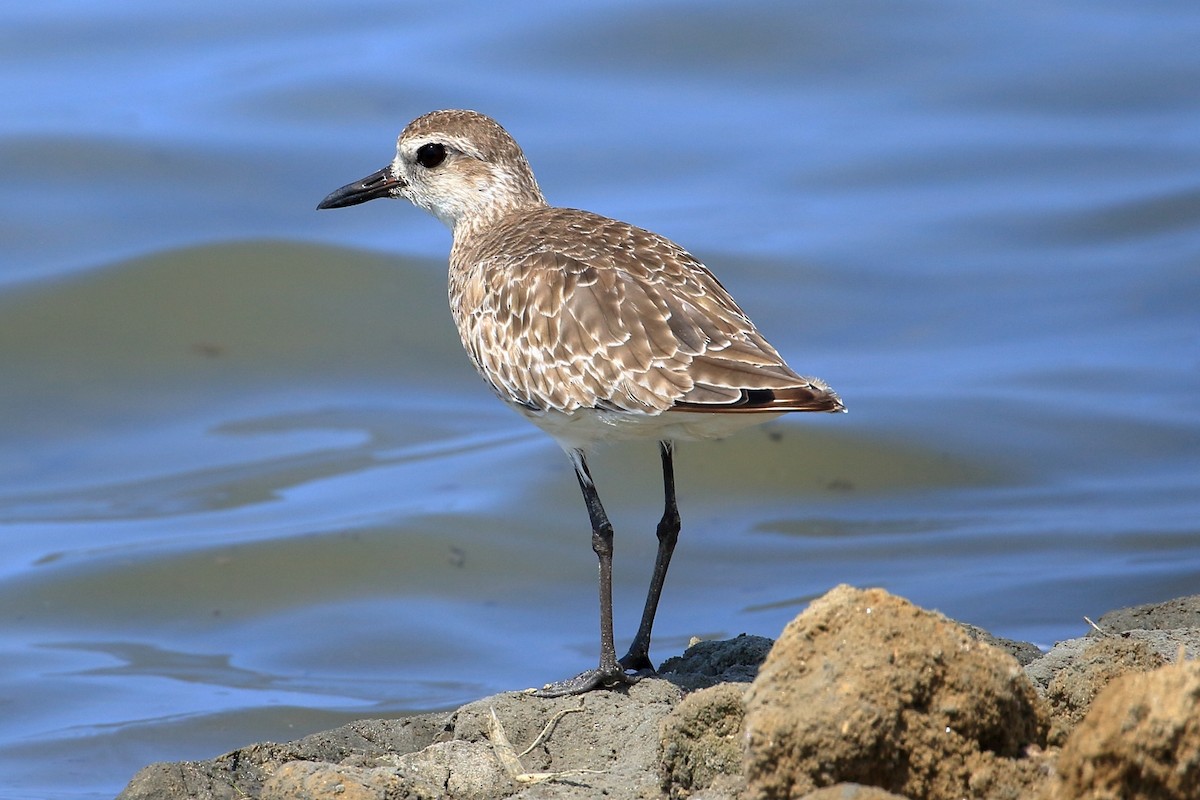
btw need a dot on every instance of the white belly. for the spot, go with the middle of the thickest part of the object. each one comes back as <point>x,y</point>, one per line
<point>585,428</point>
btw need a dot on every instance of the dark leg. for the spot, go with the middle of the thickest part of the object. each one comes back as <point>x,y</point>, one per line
<point>638,657</point>
<point>609,672</point>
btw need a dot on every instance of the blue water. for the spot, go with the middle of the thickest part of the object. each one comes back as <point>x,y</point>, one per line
<point>250,487</point>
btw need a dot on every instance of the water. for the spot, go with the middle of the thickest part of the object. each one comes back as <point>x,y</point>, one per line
<point>250,488</point>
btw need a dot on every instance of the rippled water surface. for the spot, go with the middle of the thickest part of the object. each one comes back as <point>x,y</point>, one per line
<point>250,487</point>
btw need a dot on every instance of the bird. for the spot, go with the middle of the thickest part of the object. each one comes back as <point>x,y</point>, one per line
<point>593,329</point>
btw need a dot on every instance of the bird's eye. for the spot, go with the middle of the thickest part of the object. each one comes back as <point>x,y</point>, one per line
<point>430,155</point>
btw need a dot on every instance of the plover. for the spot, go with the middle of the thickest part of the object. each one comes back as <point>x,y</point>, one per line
<point>593,329</point>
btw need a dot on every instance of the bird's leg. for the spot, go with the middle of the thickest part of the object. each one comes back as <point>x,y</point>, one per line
<point>609,672</point>
<point>638,657</point>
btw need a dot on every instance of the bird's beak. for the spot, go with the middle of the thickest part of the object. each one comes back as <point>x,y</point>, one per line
<point>378,184</point>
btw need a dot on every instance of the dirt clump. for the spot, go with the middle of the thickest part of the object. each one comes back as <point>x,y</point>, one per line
<point>1072,690</point>
<point>1139,741</point>
<point>865,687</point>
<point>703,743</point>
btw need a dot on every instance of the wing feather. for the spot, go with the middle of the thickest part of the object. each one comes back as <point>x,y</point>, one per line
<point>562,309</point>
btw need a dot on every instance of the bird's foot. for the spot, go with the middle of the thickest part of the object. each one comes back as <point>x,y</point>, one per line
<point>637,662</point>
<point>599,678</point>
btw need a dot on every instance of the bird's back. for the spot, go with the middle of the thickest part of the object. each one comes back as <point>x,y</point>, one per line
<point>562,310</point>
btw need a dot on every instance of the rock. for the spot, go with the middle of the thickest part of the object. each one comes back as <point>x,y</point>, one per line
<point>1072,674</point>
<point>308,780</point>
<point>242,773</point>
<point>706,664</point>
<point>865,687</point>
<point>1139,741</point>
<point>601,743</point>
<point>702,742</point>
<point>1181,612</point>
<point>1072,689</point>
<point>865,697</point>
<point>851,791</point>
<point>1023,652</point>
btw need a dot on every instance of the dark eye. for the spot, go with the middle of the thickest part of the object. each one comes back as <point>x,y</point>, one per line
<point>430,155</point>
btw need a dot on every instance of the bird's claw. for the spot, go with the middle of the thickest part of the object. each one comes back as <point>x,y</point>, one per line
<point>587,681</point>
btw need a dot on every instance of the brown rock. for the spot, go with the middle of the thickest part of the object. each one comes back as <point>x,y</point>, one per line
<point>865,687</point>
<point>232,776</point>
<point>1071,691</point>
<point>242,773</point>
<point>702,742</point>
<point>852,791</point>
<point>308,780</point>
<point>1140,741</point>
<point>463,770</point>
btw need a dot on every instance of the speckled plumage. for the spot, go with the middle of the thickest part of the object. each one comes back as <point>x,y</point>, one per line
<point>592,328</point>
<point>564,310</point>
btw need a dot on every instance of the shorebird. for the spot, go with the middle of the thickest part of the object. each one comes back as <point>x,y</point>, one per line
<point>595,330</point>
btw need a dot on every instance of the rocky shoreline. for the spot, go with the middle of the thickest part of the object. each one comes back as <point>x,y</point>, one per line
<point>863,696</point>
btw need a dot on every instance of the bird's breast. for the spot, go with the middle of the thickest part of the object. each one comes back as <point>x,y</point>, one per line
<point>586,428</point>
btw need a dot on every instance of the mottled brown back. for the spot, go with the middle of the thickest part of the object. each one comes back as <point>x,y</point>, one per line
<point>564,309</point>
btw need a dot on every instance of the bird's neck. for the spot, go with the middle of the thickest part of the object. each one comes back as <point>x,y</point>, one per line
<point>493,214</point>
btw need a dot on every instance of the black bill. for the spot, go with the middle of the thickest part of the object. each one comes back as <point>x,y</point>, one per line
<point>377,184</point>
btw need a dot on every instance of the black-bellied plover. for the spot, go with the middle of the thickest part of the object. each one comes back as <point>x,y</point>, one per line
<point>595,330</point>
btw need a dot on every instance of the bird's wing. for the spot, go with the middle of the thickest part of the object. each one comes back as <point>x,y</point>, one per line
<point>629,321</point>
